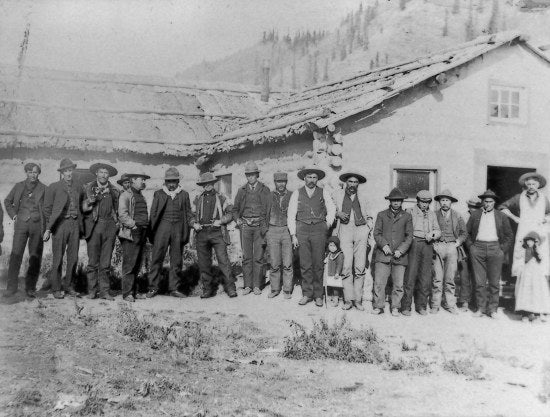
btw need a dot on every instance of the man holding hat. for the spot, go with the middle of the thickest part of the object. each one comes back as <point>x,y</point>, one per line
<point>531,211</point>
<point>211,216</point>
<point>279,243</point>
<point>311,211</point>
<point>354,224</point>
<point>124,182</point>
<point>63,214</point>
<point>393,233</point>
<point>99,209</point>
<point>169,227</point>
<point>25,205</point>
<point>134,222</point>
<point>250,213</point>
<point>453,235</point>
<point>419,270</point>
<point>489,238</point>
<point>466,272</point>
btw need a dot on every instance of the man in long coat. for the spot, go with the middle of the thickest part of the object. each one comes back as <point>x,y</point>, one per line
<point>311,212</point>
<point>393,233</point>
<point>63,214</point>
<point>170,216</point>
<point>353,227</point>
<point>25,206</point>
<point>100,208</point>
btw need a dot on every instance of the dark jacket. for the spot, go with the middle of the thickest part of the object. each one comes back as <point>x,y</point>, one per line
<point>225,219</point>
<point>157,209</point>
<point>458,225</point>
<point>265,198</point>
<point>504,231</point>
<point>396,232</point>
<point>13,200</point>
<point>90,211</point>
<point>55,202</point>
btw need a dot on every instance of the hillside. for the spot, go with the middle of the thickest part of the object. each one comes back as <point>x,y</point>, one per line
<point>376,34</point>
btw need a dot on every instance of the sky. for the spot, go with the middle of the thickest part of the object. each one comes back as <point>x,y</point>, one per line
<point>150,37</point>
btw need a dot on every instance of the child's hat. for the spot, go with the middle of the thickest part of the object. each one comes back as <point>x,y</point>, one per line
<point>335,240</point>
<point>533,236</point>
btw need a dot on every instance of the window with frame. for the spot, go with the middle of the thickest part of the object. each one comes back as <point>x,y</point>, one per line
<point>507,104</point>
<point>412,180</point>
<point>224,185</point>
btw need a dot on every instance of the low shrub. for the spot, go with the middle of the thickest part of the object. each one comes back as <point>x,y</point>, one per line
<point>467,366</point>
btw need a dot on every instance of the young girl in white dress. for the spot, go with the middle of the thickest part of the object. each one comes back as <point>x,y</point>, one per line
<point>532,290</point>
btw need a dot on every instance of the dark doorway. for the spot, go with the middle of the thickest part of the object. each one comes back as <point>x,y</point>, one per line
<point>504,182</point>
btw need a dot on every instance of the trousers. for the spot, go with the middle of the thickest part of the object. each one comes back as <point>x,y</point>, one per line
<point>279,246</point>
<point>382,271</point>
<point>206,240</point>
<point>252,244</point>
<point>445,267</point>
<point>26,233</point>
<point>132,252</point>
<point>65,238</point>
<point>312,241</point>
<point>167,235</point>
<point>100,251</point>
<point>353,242</point>
<point>467,280</point>
<point>418,275</point>
<point>487,258</point>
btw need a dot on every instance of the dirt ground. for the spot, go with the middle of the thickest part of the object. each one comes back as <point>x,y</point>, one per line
<point>223,357</point>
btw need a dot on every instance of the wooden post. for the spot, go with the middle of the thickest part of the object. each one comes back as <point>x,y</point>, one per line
<point>265,81</point>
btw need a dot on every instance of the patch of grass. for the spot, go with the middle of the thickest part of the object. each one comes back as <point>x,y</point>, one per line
<point>93,406</point>
<point>467,366</point>
<point>405,347</point>
<point>160,388</point>
<point>337,341</point>
<point>26,397</point>
<point>415,364</point>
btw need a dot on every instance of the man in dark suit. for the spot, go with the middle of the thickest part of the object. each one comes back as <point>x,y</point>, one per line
<point>489,238</point>
<point>62,209</point>
<point>100,207</point>
<point>169,227</point>
<point>25,205</point>
<point>393,234</point>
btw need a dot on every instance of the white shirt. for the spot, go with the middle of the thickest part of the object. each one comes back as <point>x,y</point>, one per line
<point>293,208</point>
<point>487,231</point>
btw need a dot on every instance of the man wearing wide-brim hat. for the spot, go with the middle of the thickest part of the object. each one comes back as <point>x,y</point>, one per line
<point>63,215</point>
<point>25,206</point>
<point>169,227</point>
<point>353,227</point>
<point>250,213</point>
<point>393,233</point>
<point>530,209</point>
<point>124,182</point>
<point>489,238</point>
<point>311,211</point>
<point>134,222</point>
<point>447,248</point>
<point>211,216</point>
<point>100,208</point>
<point>418,276</point>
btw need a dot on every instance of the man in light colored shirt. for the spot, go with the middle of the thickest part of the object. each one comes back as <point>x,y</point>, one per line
<point>489,238</point>
<point>311,212</point>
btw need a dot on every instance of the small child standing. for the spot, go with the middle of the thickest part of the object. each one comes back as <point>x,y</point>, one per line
<point>532,291</point>
<point>334,263</point>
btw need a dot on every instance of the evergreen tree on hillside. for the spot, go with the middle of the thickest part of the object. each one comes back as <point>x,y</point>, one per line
<point>402,4</point>
<point>456,7</point>
<point>480,6</point>
<point>343,53</point>
<point>315,76</point>
<point>470,23</point>
<point>493,20</point>
<point>446,24</point>
<point>325,72</point>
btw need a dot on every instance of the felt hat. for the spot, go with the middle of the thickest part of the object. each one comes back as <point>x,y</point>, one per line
<point>100,165</point>
<point>345,176</point>
<point>280,176</point>
<point>532,235</point>
<point>30,165</point>
<point>335,240</point>
<point>396,194</point>
<point>138,174</point>
<point>251,168</point>
<point>424,195</point>
<point>447,194</point>
<point>488,194</point>
<point>66,163</point>
<point>171,173</point>
<point>311,170</point>
<point>207,178</point>
<point>474,202</point>
<point>123,177</point>
<point>534,175</point>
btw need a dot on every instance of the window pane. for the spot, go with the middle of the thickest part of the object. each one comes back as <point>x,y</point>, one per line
<point>494,96</point>
<point>515,97</point>
<point>411,182</point>
<point>504,111</point>
<point>514,111</point>
<point>504,96</point>
<point>493,110</point>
